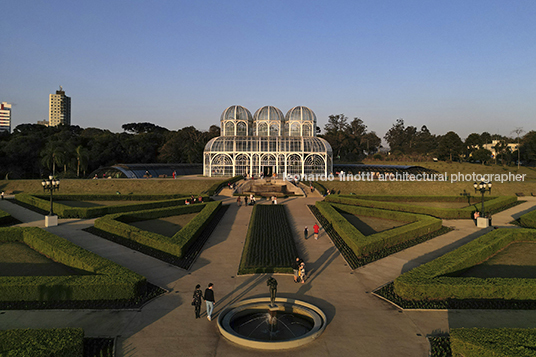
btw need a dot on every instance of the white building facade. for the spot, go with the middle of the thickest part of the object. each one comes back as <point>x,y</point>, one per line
<point>267,143</point>
<point>59,111</point>
<point>5,117</point>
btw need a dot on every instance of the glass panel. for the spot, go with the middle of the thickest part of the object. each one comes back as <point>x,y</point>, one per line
<point>295,129</point>
<point>241,128</point>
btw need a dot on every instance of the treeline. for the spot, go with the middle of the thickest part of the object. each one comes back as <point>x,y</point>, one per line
<point>352,142</point>
<point>34,151</point>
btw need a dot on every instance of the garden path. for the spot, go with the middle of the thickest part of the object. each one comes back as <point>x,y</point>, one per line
<point>360,324</point>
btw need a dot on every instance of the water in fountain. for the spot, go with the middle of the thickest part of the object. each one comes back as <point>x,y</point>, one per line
<point>256,325</point>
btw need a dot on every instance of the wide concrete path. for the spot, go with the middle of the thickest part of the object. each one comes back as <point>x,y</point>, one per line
<point>359,324</point>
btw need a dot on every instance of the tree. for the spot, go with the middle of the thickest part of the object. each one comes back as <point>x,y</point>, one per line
<point>518,132</point>
<point>450,144</point>
<point>472,143</point>
<point>528,146</point>
<point>138,128</point>
<point>401,138</point>
<point>82,158</point>
<point>482,155</point>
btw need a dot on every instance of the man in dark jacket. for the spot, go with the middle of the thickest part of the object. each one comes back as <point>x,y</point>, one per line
<point>209,300</point>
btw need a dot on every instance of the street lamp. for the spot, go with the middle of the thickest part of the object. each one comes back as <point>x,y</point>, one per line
<point>51,185</point>
<point>483,187</point>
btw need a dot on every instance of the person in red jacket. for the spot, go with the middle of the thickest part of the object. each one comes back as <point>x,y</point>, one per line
<point>316,229</point>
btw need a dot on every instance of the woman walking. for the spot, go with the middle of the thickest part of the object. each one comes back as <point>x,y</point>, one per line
<point>198,295</point>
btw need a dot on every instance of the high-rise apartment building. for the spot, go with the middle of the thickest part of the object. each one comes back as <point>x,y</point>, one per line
<point>5,117</point>
<point>59,111</point>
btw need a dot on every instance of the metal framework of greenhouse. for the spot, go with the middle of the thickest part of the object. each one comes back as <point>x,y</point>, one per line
<point>268,144</point>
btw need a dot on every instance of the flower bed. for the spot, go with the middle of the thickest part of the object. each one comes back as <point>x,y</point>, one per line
<point>403,204</point>
<point>269,245</point>
<point>430,281</point>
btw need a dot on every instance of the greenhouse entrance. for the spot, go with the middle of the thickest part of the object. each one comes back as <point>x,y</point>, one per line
<point>267,171</point>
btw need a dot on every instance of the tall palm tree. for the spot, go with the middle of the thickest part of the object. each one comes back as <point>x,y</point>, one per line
<point>51,156</point>
<point>82,158</point>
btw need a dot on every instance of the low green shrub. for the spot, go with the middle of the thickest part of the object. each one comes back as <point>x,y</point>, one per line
<point>493,342</point>
<point>5,218</point>
<point>108,281</point>
<point>218,186</point>
<point>381,202</point>
<point>178,244</point>
<point>66,211</point>
<point>362,245</point>
<point>57,342</point>
<point>528,220</point>
<point>269,245</point>
<point>431,281</point>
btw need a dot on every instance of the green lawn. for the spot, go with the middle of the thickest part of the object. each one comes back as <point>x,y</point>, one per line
<point>371,225</point>
<point>96,203</point>
<point>166,226</point>
<point>517,260</point>
<point>112,186</point>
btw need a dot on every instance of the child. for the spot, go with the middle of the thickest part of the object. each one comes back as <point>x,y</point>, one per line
<point>303,276</point>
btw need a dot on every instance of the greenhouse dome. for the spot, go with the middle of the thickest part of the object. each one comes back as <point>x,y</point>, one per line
<point>269,121</point>
<point>236,120</point>
<point>270,152</point>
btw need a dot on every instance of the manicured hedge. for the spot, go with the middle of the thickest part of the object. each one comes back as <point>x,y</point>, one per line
<point>5,218</point>
<point>383,202</point>
<point>528,219</point>
<point>269,245</point>
<point>109,281</point>
<point>218,186</point>
<point>362,245</point>
<point>493,342</point>
<point>430,281</point>
<point>64,211</point>
<point>56,342</point>
<point>178,244</point>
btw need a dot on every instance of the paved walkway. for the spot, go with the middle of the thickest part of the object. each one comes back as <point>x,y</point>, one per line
<point>359,324</point>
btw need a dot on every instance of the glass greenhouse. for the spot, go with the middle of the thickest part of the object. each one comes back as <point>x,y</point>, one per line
<point>267,143</point>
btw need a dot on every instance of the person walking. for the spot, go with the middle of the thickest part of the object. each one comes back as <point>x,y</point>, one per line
<point>246,200</point>
<point>296,268</point>
<point>303,274</point>
<point>238,201</point>
<point>305,232</point>
<point>316,229</point>
<point>209,300</point>
<point>196,301</point>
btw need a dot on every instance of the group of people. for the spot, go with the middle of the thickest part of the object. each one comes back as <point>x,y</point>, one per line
<point>316,230</point>
<point>251,200</point>
<point>193,200</point>
<point>274,200</point>
<point>208,296</point>
<point>300,274</point>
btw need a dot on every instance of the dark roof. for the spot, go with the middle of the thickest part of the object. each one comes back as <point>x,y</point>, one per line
<point>381,168</point>
<point>155,170</point>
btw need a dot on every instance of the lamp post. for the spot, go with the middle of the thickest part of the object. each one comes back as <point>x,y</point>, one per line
<point>483,187</point>
<point>51,185</point>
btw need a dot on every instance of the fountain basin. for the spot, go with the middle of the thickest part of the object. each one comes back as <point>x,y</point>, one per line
<point>247,323</point>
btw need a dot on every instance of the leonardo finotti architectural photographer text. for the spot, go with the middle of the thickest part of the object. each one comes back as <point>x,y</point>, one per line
<point>423,177</point>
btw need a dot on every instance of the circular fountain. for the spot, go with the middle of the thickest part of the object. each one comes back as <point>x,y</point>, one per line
<point>260,324</point>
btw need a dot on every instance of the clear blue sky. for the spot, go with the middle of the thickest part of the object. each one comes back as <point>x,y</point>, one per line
<point>467,66</point>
